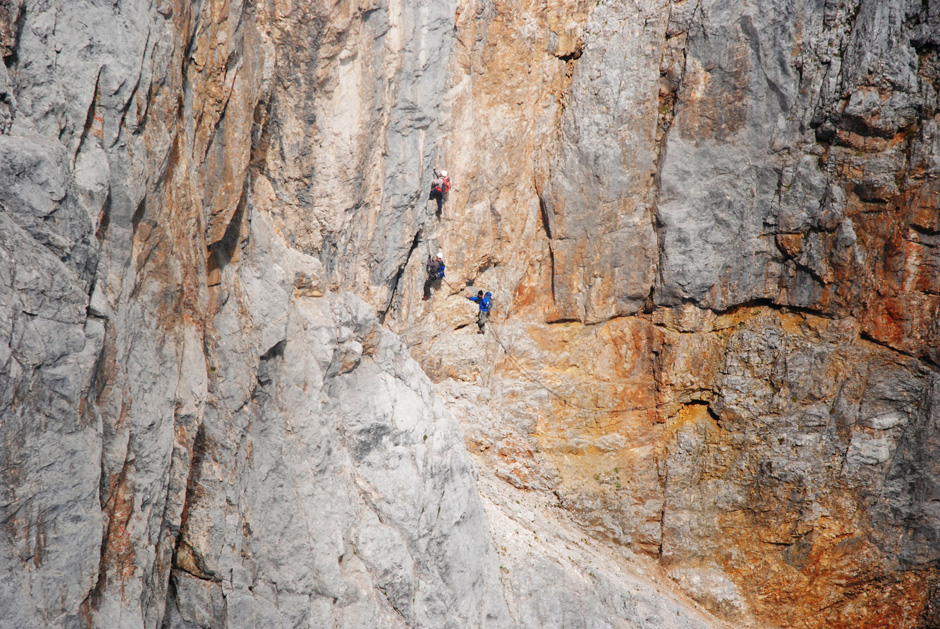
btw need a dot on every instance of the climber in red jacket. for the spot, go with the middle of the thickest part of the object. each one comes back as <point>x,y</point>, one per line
<point>440,186</point>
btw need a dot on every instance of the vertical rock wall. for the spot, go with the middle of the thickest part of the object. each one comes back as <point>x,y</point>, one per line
<point>715,270</point>
<point>351,133</point>
<point>711,230</point>
<point>180,445</point>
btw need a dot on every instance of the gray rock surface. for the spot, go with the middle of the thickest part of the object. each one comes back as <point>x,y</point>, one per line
<point>310,502</point>
<point>712,231</point>
<point>51,446</point>
<point>597,200</point>
<point>785,173</point>
<point>195,431</point>
<point>352,133</point>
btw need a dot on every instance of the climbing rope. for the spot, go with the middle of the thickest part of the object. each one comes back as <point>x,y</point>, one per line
<point>525,372</point>
<point>522,370</point>
<point>530,377</point>
<point>456,290</point>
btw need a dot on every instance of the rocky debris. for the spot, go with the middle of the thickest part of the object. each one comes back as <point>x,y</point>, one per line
<point>555,576</point>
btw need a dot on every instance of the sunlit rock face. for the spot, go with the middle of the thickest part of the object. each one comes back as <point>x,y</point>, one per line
<point>711,230</point>
<point>710,377</point>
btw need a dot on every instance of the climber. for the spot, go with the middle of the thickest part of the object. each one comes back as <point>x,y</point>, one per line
<point>435,268</point>
<point>486,302</point>
<point>440,186</point>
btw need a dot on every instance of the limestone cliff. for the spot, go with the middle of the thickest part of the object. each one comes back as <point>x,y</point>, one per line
<point>711,377</point>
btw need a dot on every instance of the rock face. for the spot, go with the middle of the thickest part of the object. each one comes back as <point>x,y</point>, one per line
<point>716,276</point>
<point>310,503</point>
<point>713,236</point>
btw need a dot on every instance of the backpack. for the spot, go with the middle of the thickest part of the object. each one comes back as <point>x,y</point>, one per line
<point>435,269</point>
<point>445,186</point>
<point>487,302</point>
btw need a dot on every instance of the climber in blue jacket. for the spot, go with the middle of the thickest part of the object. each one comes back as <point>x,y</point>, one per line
<point>485,302</point>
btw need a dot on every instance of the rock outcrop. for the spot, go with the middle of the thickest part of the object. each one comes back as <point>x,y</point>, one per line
<point>712,232</point>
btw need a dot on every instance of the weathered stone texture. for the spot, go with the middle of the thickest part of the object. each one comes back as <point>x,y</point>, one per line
<point>792,161</point>
<point>197,432</point>
<point>352,131</point>
<point>797,460</point>
<point>309,501</point>
<point>597,197</point>
<point>712,233</point>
